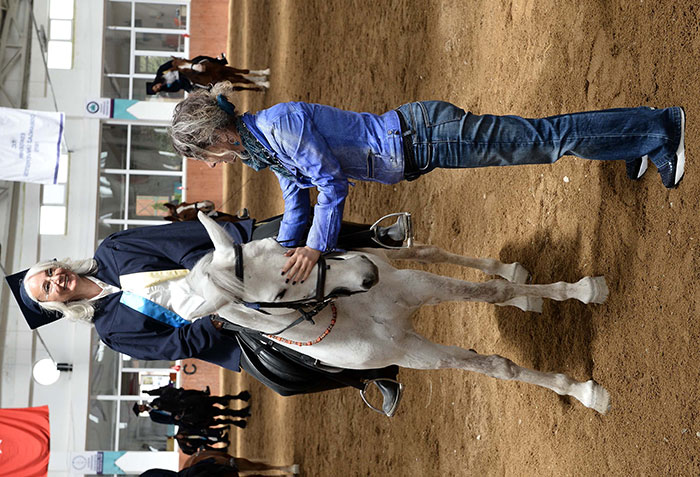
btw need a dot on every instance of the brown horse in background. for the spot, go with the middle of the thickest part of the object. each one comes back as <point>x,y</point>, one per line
<point>208,73</point>
<point>241,466</point>
<point>187,211</point>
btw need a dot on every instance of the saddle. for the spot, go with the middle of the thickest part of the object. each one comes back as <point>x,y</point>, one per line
<point>284,370</point>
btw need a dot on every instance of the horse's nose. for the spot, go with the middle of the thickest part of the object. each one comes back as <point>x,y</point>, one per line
<point>372,277</point>
<point>369,282</point>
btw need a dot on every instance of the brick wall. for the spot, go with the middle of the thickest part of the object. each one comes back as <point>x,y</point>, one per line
<point>208,36</point>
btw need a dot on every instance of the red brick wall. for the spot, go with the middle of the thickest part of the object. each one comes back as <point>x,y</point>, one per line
<point>205,375</point>
<point>208,36</point>
<point>205,183</point>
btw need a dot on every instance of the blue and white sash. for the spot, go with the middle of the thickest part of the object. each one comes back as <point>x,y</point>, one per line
<point>143,280</point>
<point>152,309</point>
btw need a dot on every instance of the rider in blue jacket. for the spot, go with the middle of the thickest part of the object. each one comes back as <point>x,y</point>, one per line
<point>147,329</point>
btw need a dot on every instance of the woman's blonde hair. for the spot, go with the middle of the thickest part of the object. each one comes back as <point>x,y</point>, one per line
<point>79,310</point>
<point>199,123</point>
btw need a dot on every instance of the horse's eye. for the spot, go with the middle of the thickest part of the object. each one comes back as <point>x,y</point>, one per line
<point>281,294</point>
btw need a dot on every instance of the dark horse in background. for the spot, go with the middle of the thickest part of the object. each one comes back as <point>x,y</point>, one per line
<point>211,72</point>
<point>218,463</point>
<point>203,72</point>
<point>240,465</point>
<point>187,211</point>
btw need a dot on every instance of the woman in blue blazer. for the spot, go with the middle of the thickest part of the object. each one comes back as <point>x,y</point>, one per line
<point>90,290</point>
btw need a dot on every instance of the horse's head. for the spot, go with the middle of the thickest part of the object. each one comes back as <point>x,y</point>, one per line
<point>187,211</point>
<point>261,264</point>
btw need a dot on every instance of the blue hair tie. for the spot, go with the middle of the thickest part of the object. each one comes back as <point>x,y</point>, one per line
<point>225,105</point>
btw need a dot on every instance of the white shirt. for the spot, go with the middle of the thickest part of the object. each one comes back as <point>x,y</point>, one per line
<point>173,294</point>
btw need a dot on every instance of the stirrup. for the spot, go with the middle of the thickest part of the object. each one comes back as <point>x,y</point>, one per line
<point>404,218</point>
<point>381,411</point>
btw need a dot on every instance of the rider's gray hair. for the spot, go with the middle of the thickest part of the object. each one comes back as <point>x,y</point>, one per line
<point>78,310</point>
<point>198,123</point>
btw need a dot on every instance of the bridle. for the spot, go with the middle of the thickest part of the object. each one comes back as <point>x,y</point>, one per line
<point>307,307</point>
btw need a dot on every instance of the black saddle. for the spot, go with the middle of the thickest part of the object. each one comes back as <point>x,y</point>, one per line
<point>286,371</point>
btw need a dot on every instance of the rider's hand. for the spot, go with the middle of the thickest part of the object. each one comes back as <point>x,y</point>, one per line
<point>218,324</point>
<point>300,264</point>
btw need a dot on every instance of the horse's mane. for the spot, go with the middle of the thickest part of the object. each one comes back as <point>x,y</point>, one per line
<point>220,275</point>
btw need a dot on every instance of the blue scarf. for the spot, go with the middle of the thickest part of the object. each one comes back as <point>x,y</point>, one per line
<point>260,157</point>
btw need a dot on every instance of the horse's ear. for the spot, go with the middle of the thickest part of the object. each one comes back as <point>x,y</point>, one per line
<point>222,240</point>
<point>172,208</point>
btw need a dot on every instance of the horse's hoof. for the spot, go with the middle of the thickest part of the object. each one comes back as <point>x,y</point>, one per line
<point>519,274</point>
<point>599,290</point>
<point>595,397</point>
<point>590,290</point>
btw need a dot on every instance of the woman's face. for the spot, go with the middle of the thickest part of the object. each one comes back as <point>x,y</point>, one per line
<point>230,141</point>
<point>54,284</point>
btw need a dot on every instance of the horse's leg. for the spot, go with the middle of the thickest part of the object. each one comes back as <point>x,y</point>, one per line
<point>428,288</point>
<point>427,355</point>
<point>235,78</point>
<point>245,474</point>
<point>238,71</point>
<point>266,474</point>
<point>258,80</point>
<point>255,78</point>
<point>513,272</point>
<point>248,88</point>
<point>248,465</point>
<point>265,72</point>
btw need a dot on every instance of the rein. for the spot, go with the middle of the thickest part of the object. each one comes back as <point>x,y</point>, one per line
<point>334,310</point>
<point>307,307</point>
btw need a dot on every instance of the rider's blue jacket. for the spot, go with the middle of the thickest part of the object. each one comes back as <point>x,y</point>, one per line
<point>163,247</point>
<point>325,147</point>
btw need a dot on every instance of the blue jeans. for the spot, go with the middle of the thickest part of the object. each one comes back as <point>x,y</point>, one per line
<point>446,136</point>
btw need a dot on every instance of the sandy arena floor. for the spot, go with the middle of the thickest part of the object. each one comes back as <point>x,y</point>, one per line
<point>575,218</point>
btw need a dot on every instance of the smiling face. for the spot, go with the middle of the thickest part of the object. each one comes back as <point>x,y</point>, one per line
<point>54,284</point>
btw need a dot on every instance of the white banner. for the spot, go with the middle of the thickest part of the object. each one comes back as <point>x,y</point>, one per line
<point>30,145</point>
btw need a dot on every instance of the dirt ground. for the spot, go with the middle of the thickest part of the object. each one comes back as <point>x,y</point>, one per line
<point>574,218</point>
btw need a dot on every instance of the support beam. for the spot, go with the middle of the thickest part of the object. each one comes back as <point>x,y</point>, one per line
<point>15,51</point>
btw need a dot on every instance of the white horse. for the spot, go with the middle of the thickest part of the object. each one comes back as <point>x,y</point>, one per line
<point>372,323</point>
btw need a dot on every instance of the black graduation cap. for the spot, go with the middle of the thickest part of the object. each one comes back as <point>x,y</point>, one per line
<point>35,315</point>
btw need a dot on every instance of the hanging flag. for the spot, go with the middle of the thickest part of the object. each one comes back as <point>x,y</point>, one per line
<point>30,145</point>
<point>24,441</point>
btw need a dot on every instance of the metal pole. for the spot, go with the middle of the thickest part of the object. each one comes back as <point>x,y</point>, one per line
<point>43,343</point>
